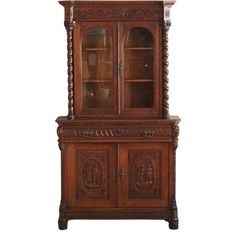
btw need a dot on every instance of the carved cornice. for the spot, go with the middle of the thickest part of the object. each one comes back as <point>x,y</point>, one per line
<point>114,10</point>
<point>117,13</point>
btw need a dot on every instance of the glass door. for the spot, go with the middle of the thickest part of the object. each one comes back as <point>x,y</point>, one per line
<point>96,85</point>
<point>139,60</point>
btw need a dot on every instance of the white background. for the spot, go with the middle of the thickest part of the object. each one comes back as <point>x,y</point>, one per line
<point>33,92</point>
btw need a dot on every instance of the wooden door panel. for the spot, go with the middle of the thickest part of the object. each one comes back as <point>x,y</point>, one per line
<point>91,177</point>
<point>145,175</point>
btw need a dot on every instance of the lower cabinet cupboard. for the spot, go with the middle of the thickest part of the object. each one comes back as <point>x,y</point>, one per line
<point>107,174</point>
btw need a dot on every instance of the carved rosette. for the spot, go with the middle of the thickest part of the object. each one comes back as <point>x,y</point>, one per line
<point>69,25</point>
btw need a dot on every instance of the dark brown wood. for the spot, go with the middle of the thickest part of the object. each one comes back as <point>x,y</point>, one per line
<point>70,25</point>
<point>118,143</point>
<point>145,179</point>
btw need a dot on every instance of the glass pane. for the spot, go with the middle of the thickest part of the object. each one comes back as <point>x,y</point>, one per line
<point>97,76</point>
<point>139,95</point>
<point>138,68</point>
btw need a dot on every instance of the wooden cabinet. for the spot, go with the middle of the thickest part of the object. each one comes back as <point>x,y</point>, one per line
<point>118,142</point>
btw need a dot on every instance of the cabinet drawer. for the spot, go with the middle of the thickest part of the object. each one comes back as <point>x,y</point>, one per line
<point>116,132</point>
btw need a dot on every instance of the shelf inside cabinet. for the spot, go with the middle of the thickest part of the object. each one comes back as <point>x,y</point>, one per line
<point>96,49</point>
<point>98,81</point>
<point>138,80</point>
<point>139,48</point>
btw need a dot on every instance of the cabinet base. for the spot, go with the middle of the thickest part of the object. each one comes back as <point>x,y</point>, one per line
<point>163,214</point>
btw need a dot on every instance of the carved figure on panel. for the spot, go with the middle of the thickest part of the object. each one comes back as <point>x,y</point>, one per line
<point>92,174</point>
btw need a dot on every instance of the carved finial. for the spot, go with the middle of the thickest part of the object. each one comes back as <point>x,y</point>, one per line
<point>70,25</point>
<point>167,6</point>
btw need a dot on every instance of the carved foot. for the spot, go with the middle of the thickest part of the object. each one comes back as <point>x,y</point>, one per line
<point>62,223</point>
<point>173,224</point>
<point>174,221</point>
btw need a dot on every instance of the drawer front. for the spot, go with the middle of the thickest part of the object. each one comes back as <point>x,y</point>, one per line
<point>116,132</point>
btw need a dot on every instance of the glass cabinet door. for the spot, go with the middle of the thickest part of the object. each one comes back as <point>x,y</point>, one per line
<point>118,70</point>
<point>97,70</point>
<point>139,69</point>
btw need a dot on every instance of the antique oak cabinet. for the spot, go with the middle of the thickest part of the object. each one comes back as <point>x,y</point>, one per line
<point>118,142</point>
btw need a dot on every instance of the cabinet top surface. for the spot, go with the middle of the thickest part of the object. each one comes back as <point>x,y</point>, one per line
<point>68,2</point>
<point>119,1</point>
<point>171,119</point>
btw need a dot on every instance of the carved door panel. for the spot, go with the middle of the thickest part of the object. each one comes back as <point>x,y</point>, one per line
<point>91,175</point>
<point>143,175</point>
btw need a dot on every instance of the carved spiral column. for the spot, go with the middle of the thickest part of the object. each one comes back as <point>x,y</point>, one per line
<point>165,70</point>
<point>166,23</point>
<point>70,25</point>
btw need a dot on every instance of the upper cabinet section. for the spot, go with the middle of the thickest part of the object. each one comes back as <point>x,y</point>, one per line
<point>117,57</point>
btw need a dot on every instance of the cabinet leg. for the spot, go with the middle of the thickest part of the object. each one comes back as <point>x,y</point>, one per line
<point>174,221</point>
<point>173,224</point>
<point>62,223</point>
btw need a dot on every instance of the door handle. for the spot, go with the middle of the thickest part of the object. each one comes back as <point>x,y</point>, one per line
<point>122,173</point>
<point>113,174</point>
<point>120,68</point>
